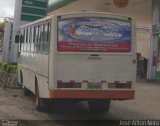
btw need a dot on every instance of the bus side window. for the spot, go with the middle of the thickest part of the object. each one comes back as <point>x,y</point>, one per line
<point>26,40</point>
<point>34,39</point>
<point>48,32</point>
<point>41,38</point>
<point>45,44</point>
<point>37,39</point>
<point>21,40</point>
<point>24,44</point>
<point>29,39</point>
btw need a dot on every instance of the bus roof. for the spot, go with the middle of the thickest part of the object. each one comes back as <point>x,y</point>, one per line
<point>78,14</point>
<point>37,21</point>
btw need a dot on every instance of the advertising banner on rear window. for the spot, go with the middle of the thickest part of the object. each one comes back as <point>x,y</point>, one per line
<point>94,35</point>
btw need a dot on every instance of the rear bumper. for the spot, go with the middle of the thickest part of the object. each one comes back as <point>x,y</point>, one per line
<point>92,94</point>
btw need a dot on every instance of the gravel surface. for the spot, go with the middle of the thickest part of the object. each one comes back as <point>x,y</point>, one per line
<point>15,106</point>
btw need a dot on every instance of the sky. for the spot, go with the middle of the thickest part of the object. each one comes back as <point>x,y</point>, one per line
<point>7,8</point>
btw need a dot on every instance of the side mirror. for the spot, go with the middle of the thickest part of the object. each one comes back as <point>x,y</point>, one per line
<point>17,39</point>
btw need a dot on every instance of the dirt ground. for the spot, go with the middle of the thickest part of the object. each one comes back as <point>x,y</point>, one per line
<point>14,105</point>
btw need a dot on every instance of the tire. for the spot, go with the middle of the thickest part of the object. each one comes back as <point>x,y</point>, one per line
<point>38,101</point>
<point>42,104</point>
<point>21,78</point>
<point>27,92</point>
<point>99,106</point>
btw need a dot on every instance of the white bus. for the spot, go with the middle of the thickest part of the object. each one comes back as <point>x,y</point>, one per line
<point>87,56</point>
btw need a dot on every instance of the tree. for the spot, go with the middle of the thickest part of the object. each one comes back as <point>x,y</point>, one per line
<point>2,26</point>
<point>8,19</point>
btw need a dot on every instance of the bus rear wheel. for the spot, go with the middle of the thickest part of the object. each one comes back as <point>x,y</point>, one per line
<point>99,106</point>
<point>42,104</point>
<point>27,92</point>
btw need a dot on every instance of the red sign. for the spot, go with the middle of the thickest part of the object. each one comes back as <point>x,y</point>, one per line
<point>92,46</point>
<point>121,3</point>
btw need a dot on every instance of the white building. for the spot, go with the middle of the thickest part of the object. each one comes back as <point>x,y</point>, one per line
<point>7,40</point>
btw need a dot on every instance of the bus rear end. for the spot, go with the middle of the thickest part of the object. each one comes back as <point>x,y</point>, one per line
<point>94,58</point>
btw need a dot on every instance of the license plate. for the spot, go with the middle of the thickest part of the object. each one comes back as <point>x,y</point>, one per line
<point>94,86</point>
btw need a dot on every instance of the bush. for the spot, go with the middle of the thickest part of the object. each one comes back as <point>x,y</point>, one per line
<point>8,68</point>
<point>4,67</point>
<point>0,65</point>
<point>14,69</point>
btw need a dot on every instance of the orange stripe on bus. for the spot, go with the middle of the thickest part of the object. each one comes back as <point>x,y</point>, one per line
<point>91,94</point>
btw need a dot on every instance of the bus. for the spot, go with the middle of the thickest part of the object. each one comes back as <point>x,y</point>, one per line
<point>83,56</point>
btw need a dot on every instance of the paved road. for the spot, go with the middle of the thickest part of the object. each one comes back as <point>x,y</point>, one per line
<point>14,105</point>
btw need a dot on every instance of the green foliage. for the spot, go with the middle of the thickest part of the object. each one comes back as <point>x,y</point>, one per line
<point>14,69</point>
<point>0,65</point>
<point>9,68</point>
<point>4,67</point>
<point>8,19</point>
<point>2,24</point>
